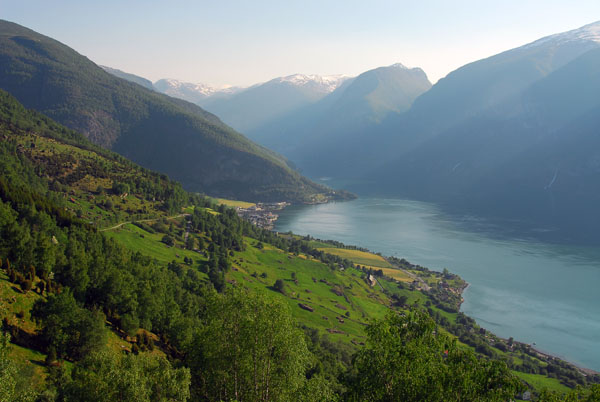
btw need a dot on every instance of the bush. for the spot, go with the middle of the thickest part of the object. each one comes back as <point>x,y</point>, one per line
<point>129,324</point>
<point>168,240</point>
<point>279,286</point>
<point>26,285</point>
<point>120,188</point>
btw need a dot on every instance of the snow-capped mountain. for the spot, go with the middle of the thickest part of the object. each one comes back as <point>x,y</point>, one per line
<point>192,92</point>
<point>320,83</point>
<point>251,108</point>
<point>587,33</point>
<point>312,86</point>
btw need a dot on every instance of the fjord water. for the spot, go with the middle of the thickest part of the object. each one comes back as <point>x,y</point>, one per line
<point>539,293</point>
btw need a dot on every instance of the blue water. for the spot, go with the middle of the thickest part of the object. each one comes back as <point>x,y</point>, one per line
<point>532,291</point>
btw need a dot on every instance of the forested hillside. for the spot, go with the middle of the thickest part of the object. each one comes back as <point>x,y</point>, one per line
<point>156,131</point>
<point>118,285</point>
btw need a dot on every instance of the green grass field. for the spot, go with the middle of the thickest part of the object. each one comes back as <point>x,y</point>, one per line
<point>540,382</point>
<point>259,269</point>
<point>358,257</point>
<point>234,203</point>
<point>137,239</point>
<point>395,273</point>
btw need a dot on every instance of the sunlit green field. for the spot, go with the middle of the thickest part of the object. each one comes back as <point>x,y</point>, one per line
<point>234,203</point>
<point>541,382</point>
<point>358,257</point>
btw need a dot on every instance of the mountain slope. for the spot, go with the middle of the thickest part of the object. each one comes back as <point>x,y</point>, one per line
<point>333,136</point>
<point>129,77</point>
<point>486,83</point>
<point>159,132</point>
<point>496,154</point>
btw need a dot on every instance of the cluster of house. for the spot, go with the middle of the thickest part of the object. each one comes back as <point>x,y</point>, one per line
<point>262,214</point>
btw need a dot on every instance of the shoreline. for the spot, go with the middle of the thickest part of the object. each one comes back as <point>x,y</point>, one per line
<point>545,356</point>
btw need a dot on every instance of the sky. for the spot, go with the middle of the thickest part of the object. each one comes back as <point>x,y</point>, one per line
<point>226,42</point>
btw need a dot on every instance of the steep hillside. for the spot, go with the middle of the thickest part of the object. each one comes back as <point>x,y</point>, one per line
<point>129,77</point>
<point>528,155</point>
<point>487,83</point>
<point>154,130</point>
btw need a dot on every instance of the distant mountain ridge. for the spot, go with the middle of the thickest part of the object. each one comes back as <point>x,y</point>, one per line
<point>253,107</point>
<point>159,132</point>
<point>323,84</point>
<point>333,136</point>
<point>192,92</point>
<point>200,93</point>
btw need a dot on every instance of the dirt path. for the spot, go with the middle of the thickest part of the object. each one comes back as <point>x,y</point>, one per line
<point>141,220</point>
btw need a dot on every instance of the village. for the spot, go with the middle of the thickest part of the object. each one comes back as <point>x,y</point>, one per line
<point>262,214</point>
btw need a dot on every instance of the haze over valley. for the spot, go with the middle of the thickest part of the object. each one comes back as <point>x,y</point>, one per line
<point>489,139</point>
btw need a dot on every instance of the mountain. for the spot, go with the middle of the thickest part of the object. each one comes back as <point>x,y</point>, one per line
<point>489,82</point>
<point>513,136</point>
<point>129,77</point>
<point>332,136</point>
<point>195,93</point>
<point>253,107</point>
<point>159,132</point>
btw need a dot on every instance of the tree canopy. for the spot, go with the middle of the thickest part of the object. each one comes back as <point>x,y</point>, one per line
<point>407,358</point>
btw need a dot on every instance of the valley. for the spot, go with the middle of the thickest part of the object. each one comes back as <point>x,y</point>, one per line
<point>333,291</point>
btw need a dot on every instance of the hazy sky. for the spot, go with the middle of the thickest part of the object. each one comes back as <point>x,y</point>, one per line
<point>244,42</point>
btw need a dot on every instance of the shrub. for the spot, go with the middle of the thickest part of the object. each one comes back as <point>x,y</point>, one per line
<point>168,240</point>
<point>26,285</point>
<point>279,286</point>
